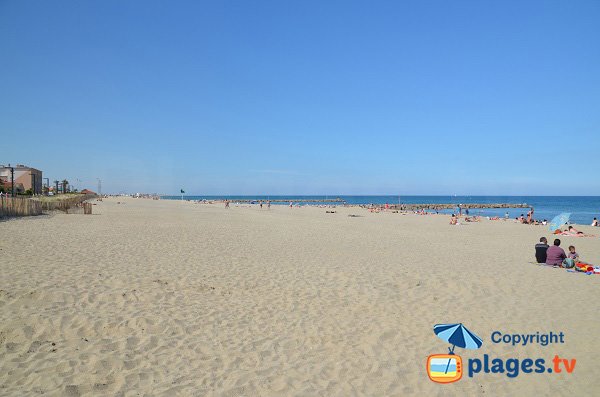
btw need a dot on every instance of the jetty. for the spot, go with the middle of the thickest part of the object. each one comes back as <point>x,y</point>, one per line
<point>430,206</point>
<point>308,201</point>
<point>400,207</point>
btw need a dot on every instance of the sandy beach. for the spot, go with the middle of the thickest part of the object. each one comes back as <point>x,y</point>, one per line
<point>175,298</point>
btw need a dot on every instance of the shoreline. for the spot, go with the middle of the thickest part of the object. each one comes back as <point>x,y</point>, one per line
<point>405,208</point>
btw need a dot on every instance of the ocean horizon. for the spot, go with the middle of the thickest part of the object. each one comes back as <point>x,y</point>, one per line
<point>582,208</point>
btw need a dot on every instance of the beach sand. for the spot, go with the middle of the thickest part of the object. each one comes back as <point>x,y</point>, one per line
<point>176,298</point>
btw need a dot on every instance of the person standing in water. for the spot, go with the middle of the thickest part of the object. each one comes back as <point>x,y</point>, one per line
<point>530,216</point>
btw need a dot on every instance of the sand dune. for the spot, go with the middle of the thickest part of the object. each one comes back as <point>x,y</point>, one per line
<point>175,298</point>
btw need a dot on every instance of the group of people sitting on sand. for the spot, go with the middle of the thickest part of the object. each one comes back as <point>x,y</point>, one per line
<point>455,219</point>
<point>554,255</point>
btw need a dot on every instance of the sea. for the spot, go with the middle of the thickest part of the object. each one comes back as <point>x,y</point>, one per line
<point>582,208</point>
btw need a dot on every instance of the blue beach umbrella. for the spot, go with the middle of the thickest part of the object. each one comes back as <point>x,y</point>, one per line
<point>559,220</point>
<point>458,335</point>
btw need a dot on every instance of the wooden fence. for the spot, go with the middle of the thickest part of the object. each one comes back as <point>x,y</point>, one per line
<point>24,206</point>
<point>19,206</point>
<point>68,205</point>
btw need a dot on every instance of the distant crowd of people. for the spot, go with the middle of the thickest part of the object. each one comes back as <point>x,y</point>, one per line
<point>522,219</point>
<point>529,219</point>
<point>260,203</point>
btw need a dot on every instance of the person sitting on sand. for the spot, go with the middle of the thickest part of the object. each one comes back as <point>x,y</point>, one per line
<point>453,220</point>
<point>595,222</point>
<point>555,255</point>
<point>572,254</point>
<point>573,230</point>
<point>540,250</point>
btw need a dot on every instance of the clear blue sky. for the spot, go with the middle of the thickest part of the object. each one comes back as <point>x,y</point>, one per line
<point>305,97</point>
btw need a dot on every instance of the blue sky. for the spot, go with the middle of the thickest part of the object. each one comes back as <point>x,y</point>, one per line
<point>311,97</point>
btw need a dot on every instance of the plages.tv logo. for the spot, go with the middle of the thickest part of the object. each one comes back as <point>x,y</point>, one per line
<point>448,368</point>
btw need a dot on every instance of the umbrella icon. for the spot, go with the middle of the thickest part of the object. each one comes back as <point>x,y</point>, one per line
<point>457,335</point>
<point>559,220</point>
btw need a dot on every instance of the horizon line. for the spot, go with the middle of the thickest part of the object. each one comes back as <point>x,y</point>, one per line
<point>365,195</point>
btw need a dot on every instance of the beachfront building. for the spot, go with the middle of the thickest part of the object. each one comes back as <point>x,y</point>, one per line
<point>25,178</point>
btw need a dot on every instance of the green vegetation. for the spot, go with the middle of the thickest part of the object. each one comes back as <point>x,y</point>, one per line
<point>58,197</point>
